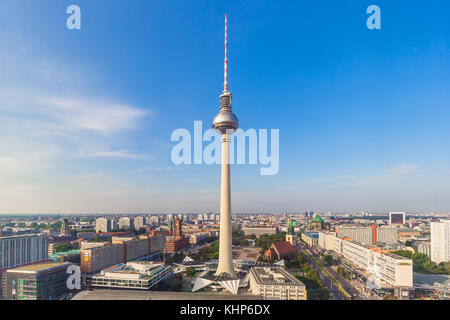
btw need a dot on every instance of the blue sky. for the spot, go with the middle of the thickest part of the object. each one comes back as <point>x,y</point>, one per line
<point>86,115</point>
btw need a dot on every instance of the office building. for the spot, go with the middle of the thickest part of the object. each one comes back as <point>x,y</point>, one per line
<point>21,250</point>
<point>440,241</point>
<point>41,281</point>
<point>140,275</point>
<point>275,283</point>
<point>397,218</point>
<point>121,250</point>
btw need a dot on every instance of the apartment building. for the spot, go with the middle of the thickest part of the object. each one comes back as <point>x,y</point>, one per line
<point>103,225</point>
<point>440,241</point>
<point>326,240</point>
<point>357,233</point>
<point>388,269</point>
<point>387,235</point>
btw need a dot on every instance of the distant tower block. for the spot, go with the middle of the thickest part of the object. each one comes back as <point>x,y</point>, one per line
<point>226,124</point>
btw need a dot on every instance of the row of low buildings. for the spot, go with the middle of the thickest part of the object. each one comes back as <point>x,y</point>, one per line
<point>196,237</point>
<point>259,230</point>
<point>109,224</point>
<point>386,269</point>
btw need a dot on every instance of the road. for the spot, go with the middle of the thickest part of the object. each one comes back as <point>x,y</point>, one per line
<point>328,281</point>
<point>350,289</point>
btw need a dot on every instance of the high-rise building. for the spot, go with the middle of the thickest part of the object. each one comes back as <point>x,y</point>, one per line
<point>440,241</point>
<point>368,235</point>
<point>65,231</point>
<point>114,223</point>
<point>362,235</point>
<point>225,123</point>
<point>24,249</point>
<point>139,223</point>
<point>396,218</point>
<point>103,225</point>
<point>387,235</point>
<point>126,223</point>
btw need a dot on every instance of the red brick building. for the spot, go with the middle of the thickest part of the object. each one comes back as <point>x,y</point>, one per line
<point>281,250</point>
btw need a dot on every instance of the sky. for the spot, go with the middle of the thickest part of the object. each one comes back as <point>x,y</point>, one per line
<point>86,116</point>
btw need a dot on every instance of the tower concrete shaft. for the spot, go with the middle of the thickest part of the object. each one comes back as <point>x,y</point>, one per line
<point>225,123</point>
<point>225,240</point>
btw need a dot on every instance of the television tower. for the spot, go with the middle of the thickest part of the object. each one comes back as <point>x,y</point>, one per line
<point>226,124</point>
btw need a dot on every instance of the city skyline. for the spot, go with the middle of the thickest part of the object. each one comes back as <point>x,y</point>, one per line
<point>86,115</point>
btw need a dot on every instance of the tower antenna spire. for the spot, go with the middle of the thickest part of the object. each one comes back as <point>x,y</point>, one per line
<point>225,83</point>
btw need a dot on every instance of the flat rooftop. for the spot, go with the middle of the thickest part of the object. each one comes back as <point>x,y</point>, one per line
<point>118,294</point>
<point>397,257</point>
<point>274,276</point>
<point>39,267</point>
<point>22,236</point>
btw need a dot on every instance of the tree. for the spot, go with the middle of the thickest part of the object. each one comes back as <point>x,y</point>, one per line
<point>140,231</point>
<point>328,259</point>
<point>266,240</point>
<point>422,263</point>
<point>62,247</point>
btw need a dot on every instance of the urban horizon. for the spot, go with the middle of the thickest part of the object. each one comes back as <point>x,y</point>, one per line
<point>254,151</point>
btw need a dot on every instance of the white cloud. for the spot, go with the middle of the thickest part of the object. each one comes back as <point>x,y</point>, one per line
<point>117,154</point>
<point>103,117</point>
<point>389,175</point>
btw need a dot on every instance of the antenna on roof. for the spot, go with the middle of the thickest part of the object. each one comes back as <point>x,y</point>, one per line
<point>225,83</point>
